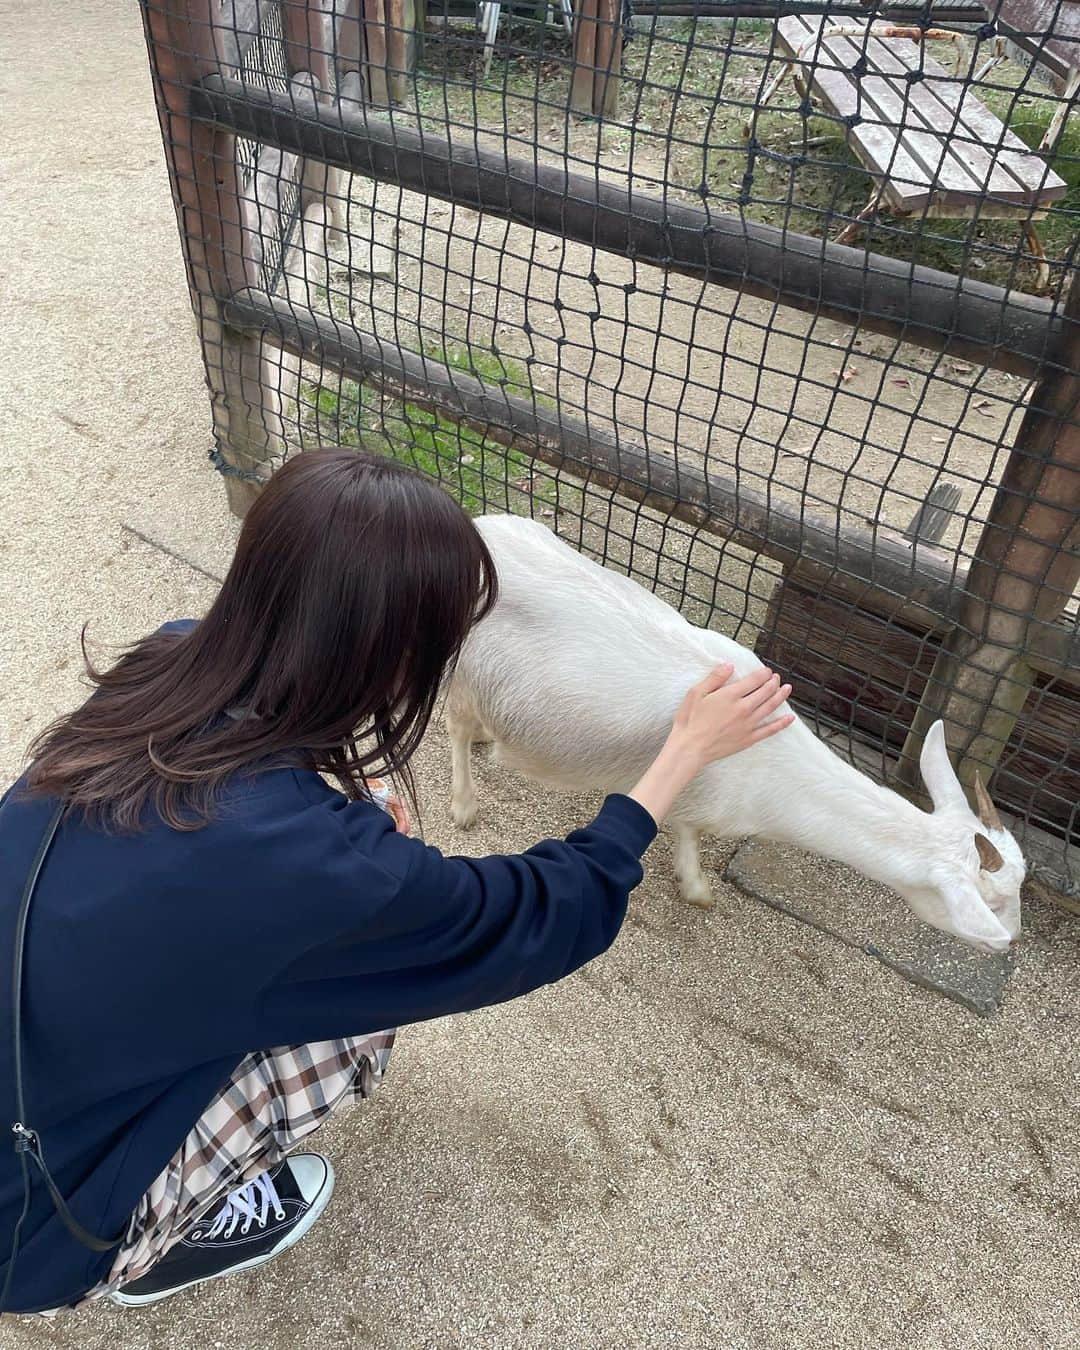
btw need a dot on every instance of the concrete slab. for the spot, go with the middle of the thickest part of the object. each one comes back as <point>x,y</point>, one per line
<point>872,920</point>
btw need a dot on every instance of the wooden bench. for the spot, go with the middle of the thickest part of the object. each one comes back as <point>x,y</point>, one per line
<point>933,149</point>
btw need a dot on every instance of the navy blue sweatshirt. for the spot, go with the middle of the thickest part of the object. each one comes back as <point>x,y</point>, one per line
<point>157,961</point>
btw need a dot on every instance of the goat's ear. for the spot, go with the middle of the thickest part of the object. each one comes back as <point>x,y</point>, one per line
<point>938,775</point>
<point>990,860</point>
<point>969,917</point>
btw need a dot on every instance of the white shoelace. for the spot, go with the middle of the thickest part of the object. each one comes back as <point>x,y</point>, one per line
<point>250,1204</point>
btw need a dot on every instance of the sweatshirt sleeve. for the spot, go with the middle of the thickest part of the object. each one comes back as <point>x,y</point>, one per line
<point>451,934</point>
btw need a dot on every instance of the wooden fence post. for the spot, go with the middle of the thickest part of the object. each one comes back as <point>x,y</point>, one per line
<point>598,42</point>
<point>309,30</point>
<point>377,39</point>
<point>1026,567</point>
<point>186,40</point>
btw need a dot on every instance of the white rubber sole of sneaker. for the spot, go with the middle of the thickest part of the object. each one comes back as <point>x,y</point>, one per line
<point>317,1207</point>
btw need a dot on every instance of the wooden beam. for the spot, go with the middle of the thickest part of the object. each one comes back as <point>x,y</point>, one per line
<point>586,13</point>
<point>875,568</point>
<point>1025,571</point>
<point>937,15</point>
<point>609,44</point>
<point>968,319</point>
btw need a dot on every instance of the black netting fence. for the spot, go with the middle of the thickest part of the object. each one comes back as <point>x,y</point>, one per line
<point>770,306</point>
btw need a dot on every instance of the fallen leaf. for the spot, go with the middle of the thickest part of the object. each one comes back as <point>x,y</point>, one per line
<point>848,373</point>
<point>903,384</point>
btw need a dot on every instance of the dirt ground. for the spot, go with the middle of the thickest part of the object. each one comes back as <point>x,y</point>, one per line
<point>732,1131</point>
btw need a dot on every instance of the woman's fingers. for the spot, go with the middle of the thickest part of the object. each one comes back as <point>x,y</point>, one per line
<point>717,678</point>
<point>757,698</point>
<point>400,813</point>
<point>767,729</point>
<point>749,683</point>
<point>771,701</point>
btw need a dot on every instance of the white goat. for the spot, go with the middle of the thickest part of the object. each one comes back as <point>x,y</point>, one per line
<point>576,675</point>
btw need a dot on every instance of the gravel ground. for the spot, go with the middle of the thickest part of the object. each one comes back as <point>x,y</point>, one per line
<point>731,1131</point>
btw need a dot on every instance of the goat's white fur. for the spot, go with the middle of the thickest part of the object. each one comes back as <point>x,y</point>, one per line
<point>576,675</point>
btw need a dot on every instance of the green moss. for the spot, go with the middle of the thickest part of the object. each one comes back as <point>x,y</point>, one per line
<point>480,472</point>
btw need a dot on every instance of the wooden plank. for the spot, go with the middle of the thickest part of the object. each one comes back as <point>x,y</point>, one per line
<point>856,669</point>
<point>949,111</point>
<point>929,126</point>
<point>865,642</point>
<point>955,159</point>
<point>879,147</point>
<point>1046,32</point>
<point>900,136</point>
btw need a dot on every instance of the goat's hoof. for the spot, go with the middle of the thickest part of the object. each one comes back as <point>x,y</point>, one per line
<point>700,897</point>
<point>464,816</point>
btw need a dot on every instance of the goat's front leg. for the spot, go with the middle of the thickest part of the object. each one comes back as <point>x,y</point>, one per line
<point>463,729</point>
<point>695,889</point>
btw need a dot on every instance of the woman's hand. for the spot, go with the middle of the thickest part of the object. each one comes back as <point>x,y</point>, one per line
<point>397,808</point>
<point>391,803</point>
<point>716,719</point>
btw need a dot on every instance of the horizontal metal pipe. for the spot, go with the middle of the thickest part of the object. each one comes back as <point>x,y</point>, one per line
<point>878,567</point>
<point>968,319</point>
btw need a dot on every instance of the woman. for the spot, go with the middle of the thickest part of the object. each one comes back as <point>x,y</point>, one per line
<point>220,941</point>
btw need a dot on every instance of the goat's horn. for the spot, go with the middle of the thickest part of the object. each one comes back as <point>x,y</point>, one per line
<point>990,860</point>
<point>987,810</point>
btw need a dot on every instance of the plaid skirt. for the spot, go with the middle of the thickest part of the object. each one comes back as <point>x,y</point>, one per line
<point>274,1100</point>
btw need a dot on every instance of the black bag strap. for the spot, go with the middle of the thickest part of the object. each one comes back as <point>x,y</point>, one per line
<point>27,1143</point>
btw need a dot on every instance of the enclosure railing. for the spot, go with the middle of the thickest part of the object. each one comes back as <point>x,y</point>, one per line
<point>272,111</point>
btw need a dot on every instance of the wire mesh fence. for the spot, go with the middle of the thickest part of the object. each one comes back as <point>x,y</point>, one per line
<point>770,306</point>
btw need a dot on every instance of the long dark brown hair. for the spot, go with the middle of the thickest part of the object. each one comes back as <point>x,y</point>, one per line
<point>353,587</point>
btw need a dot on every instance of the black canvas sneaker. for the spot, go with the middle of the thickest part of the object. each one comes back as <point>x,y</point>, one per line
<point>256,1223</point>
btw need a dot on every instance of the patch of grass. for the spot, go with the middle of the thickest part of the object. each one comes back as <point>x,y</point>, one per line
<point>480,472</point>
